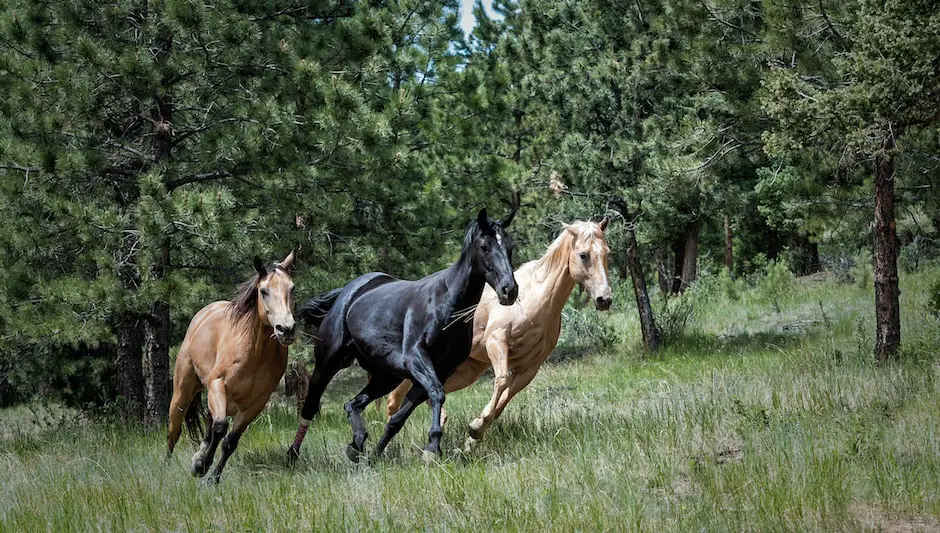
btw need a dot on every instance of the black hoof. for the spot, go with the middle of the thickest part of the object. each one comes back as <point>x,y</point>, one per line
<point>211,480</point>
<point>353,453</point>
<point>292,456</point>
<point>200,468</point>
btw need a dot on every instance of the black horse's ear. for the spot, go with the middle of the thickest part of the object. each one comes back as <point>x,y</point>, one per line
<point>507,220</point>
<point>259,266</point>
<point>516,202</point>
<point>483,221</point>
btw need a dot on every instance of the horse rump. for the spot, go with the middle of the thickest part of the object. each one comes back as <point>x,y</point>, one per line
<point>196,415</point>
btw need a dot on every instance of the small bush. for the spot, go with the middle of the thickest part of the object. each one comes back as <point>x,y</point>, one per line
<point>673,319</point>
<point>863,269</point>
<point>777,283</point>
<point>933,299</point>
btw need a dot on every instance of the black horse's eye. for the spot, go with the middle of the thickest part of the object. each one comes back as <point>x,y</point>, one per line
<point>485,247</point>
<point>584,256</point>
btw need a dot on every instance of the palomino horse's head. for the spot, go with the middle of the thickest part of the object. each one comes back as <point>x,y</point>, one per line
<point>587,261</point>
<point>491,254</point>
<point>275,293</point>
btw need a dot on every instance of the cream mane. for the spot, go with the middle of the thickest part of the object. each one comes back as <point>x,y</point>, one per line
<point>557,254</point>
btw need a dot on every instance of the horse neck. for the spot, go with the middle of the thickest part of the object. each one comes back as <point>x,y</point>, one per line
<point>258,336</point>
<point>553,277</point>
<point>464,287</point>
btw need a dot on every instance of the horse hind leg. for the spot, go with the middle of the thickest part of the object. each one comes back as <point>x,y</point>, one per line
<point>378,386</point>
<point>185,388</point>
<point>323,373</point>
<point>203,457</point>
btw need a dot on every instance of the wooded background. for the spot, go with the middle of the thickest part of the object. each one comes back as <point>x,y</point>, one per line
<point>148,149</point>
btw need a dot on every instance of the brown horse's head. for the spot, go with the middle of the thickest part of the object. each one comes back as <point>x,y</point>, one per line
<point>587,261</point>
<point>275,298</point>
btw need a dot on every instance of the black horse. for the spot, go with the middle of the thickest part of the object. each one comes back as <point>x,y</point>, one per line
<point>405,330</point>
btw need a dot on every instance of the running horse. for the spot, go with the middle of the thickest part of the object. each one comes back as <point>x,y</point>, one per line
<point>238,351</point>
<point>516,340</point>
<point>399,330</point>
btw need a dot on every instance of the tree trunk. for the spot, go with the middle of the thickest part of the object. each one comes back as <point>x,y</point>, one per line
<point>647,323</point>
<point>690,255</point>
<point>662,272</point>
<point>887,307</point>
<point>729,246</point>
<point>156,329</point>
<point>129,371</point>
<point>675,277</point>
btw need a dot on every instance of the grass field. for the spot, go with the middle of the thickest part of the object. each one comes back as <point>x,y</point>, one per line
<point>754,420</point>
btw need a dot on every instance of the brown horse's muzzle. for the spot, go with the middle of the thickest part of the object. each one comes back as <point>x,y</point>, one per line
<point>285,333</point>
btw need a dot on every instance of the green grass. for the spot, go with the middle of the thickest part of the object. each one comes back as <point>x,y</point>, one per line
<point>754,420</point>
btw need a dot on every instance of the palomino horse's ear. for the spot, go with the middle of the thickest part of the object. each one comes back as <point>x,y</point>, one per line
<point>603,223</point>
<point>259,266</point>
<point>288,262</point>
<point>570,228</point>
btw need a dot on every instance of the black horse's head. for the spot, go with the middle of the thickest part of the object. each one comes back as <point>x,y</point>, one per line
<point>491,255</point>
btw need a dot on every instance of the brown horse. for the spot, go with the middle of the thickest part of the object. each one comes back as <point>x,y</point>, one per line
<point>238,351</point>
<point>516,340</point>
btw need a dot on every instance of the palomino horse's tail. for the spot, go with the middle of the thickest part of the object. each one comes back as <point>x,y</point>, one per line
<point>195,415</point>
<point>315,309</point>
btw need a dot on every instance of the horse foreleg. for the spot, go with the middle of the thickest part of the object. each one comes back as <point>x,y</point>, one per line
<point>497,349</point>
<point>519,382</point>
<point>202,460</point>
<point>423,373</point>
<point>413,399</point>
<point>230,442</point>
<point>377,387</point>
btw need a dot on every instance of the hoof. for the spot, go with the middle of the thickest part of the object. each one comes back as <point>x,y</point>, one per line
<point>210,481</point>
<point>352,453</point>
<point>476,429</point>
<point>430,457</point>
<point>292,456</point>
<point>200,467</point>
<point>469,444</point>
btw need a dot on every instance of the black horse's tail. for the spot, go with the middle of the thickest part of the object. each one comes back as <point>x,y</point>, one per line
<point>195,415</point>
<point>315,309</point>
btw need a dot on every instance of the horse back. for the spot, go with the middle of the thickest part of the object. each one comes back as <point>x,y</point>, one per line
<point>333,333</point>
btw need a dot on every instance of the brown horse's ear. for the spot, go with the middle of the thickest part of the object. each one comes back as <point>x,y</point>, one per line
<point>259,266</point>
<point>604,223</point>
<point>288,262</point>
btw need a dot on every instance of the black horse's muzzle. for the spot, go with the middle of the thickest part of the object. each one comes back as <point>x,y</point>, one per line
<point>507,293</point>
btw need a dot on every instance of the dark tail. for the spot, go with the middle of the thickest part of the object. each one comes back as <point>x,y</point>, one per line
<point>315,309</point>
<point>195,415</point>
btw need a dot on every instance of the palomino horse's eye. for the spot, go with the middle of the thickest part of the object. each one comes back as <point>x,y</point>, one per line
<point>264,293</point>
<point>584,256</point>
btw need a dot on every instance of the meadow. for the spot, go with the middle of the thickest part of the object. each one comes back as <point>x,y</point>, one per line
<point>767,413</point>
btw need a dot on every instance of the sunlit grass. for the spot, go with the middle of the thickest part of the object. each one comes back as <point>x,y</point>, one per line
<point>753,420</point>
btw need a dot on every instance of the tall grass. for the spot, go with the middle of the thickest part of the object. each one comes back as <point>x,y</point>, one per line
<point>761,417</point>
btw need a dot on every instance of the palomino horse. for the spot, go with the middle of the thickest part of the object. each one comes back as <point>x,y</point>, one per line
<point>397,330</point>
<point>238,351</point>
<point>516,340</point>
